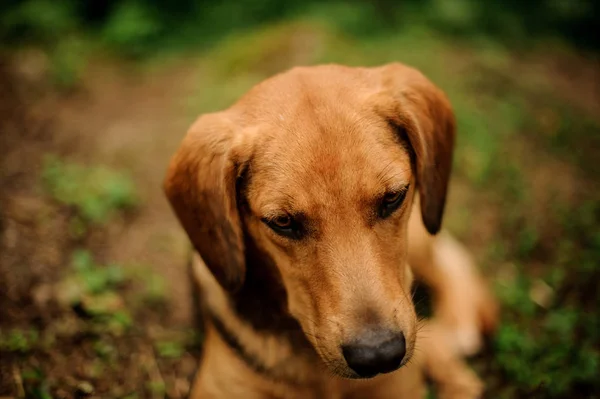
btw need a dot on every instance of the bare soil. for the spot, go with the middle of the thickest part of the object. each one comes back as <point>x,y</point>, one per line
<point>128,122</point>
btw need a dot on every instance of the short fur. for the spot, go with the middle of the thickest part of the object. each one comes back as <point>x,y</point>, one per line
<point>324,144</point>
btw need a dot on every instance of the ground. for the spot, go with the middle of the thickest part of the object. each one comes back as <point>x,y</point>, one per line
<point>94,292</point>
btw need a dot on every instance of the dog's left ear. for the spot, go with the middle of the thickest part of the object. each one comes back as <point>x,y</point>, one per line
<point>201,185</point>
<point>421,112</point>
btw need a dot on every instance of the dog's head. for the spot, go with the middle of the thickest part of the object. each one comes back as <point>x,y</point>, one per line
<point>318,168</point>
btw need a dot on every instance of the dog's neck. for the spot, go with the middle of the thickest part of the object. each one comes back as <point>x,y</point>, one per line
<point>255,324</point>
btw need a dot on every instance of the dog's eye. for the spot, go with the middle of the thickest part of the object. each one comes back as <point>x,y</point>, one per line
<point>282,222</point>
<point>284,225</point>
<point>392,201</point>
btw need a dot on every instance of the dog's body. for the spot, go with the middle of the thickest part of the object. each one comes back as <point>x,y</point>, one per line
<point>301,201</point>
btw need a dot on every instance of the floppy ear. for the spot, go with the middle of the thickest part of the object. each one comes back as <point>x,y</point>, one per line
<point>421,111</point>
<point>201,187</point>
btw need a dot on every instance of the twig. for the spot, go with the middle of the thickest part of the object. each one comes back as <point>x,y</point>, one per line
<point>154,373</point>
<point>18,381</point>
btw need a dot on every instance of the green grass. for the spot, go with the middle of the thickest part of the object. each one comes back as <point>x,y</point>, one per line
<point>99,309</point>
<point>35,384</point>
<point>141,29</point>
<point>169,349</point>
<point>96,292</point>
<point>95,193</point>
<point>16,340</point>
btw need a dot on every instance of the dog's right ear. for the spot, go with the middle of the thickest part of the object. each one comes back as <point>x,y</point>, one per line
<point>201,186</point>
<point>414,105</point>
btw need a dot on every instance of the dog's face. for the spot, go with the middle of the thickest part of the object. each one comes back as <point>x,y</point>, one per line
<point>331,208</point>
<point>318,167</point>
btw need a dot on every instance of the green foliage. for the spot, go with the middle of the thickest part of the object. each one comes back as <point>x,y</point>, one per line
<point>131,29</point>
<point>356,18</point>
<point>170,349</point>
<point>144,28</point>
<point>151,287</point>
<point>104,349</point>
<point>139,27</point>
<point>96,279</point>
<point>554,349</point>
<point>67,62</point>
<point>98,292</point>
<point>94,290</point>
<point>116,324</point>
<point>154,291</point>
<point>94,192</point>
<point>53,25</point>
<point>535,358</point>
<point>156,387</point>
<point>17,340</point>
<point>36,385</point>
<point>37,20</point>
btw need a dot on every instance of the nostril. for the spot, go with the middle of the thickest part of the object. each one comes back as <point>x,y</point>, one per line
<point>368,357</point>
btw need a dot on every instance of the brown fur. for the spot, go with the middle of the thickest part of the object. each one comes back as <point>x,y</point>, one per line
<point>324,144</point>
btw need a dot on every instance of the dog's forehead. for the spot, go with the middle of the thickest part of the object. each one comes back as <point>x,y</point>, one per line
<point>324,80</point>
<point>319,141</point>
<point>319,151</point>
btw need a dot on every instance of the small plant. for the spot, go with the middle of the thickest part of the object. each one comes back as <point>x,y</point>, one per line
<point>93,290</point>
<point>92,279</point>
<point>132,28</point>
<point>67,62</point>
<point>169,349</point>
<point>152,288</point>
<point>94,192</point>
<point>157,388</point>
<point>17,340</point>
<point>104,349</point>
<point>552,349</point>
<point>534,359</point>
<point>97,280</point>
<point>36,385</point>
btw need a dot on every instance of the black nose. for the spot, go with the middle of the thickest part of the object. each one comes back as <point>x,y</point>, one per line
<point>375,353</point>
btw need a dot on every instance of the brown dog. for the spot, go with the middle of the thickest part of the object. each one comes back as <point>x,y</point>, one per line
<point>299,199</point>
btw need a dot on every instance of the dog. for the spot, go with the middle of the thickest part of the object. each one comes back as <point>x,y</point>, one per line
<point>310,203</point>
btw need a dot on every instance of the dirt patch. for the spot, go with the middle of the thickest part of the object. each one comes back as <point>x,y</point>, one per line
<point>129,124</point>
<point>134,122</point>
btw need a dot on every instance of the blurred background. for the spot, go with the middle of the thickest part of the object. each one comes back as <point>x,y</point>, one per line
<point>96,96</point>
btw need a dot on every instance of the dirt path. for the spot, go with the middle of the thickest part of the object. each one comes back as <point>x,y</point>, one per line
<point>134,122</point>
